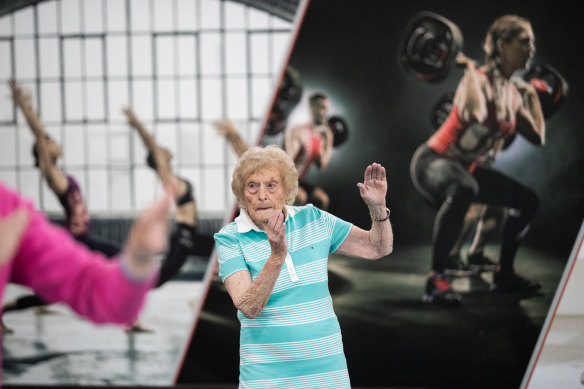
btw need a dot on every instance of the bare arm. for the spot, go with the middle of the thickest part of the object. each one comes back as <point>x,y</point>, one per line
<point>250,297</point>
<point>162,166</point>
<point>23,100</point>
<point>147,138</point>
<point>293,141</point>
<point>470,96</point>
<point>226,129</point>
<point>326,147</point>
<point>530,119</point>
<point>59,268</point>
<point>11,230</point>
<point>148,236</point>
<point>56,178</point>
<point>377,242</point>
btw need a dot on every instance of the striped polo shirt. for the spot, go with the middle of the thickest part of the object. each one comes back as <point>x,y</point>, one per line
<point>296,341</point>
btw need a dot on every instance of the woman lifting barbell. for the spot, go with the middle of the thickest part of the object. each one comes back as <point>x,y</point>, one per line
<point>489,107</point>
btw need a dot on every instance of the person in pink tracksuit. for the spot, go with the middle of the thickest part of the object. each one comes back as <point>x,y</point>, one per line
<point>45,257</point>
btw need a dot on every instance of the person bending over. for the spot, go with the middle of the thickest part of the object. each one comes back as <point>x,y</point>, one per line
<point>44,257</point>
<point>185,240</point>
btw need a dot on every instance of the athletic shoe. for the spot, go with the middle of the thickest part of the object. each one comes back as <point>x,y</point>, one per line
<point>456,267</point>
<point>136,327</point>
<point>44,310</point>
<point>479,262</point>
<point>509,281</point>
<point>6,330</point>
<point>439,291</point>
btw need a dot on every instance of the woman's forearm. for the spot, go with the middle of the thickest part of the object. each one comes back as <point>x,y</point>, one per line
<point>147,138</point>
<point>531,122</point>
<point>253,300</point>
<point>237,143</point>
<point>381,234</point>
<point>34,122</point>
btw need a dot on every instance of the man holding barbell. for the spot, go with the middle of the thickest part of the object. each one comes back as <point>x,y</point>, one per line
<point>311,143</point>
<point>306,144</point>
<point>488,108</point>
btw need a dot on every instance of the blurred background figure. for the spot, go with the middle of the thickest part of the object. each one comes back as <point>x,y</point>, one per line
<point>488,108</point>
<point>311,143</point>
<point>307,144</point>
<point>43,256</point>
<point>46,154</point>
<point>184,240</point>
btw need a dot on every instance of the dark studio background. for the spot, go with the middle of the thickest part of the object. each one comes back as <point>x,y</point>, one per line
<point>348,49</point>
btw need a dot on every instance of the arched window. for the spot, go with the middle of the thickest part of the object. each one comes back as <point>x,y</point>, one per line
<point>180,64</point>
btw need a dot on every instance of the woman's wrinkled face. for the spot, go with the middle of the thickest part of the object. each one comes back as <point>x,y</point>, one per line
<point>263,194</point>
<point>518,52</point>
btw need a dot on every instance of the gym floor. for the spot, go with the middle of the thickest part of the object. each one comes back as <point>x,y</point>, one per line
<point>60,348</point>
<point>392,339</point>
<point>561,361</point>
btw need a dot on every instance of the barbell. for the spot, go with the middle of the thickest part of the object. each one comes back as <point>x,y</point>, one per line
<point>340,130</point>
<point>288,96</point>
<point>428,51</point>
<point>429,46</point>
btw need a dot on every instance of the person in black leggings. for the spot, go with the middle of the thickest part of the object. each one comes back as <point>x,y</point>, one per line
<point>185,239</point>
<point>489,107</point>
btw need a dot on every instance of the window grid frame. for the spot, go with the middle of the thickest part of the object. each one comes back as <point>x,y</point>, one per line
<point>129,78</point>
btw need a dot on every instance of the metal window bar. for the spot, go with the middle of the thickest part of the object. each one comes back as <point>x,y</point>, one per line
<point>130,80</point>
<point>12,65</point>
<point>106,117</point>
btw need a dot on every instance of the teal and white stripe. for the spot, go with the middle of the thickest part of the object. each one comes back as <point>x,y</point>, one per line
<point>311,273</point>
<point>289,315</point>
<point>296,341</point>
<point>292,351</point>
<point>257,251</point>
<point>331,380</point>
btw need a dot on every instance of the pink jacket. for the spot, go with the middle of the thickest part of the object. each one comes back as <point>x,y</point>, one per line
<point>59,269</point>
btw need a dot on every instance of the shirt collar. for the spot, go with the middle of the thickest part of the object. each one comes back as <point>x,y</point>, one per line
<point>245,224</point>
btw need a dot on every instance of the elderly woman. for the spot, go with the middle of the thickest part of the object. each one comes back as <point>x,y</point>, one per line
<point>489,108</point>
<point>273,262</point>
